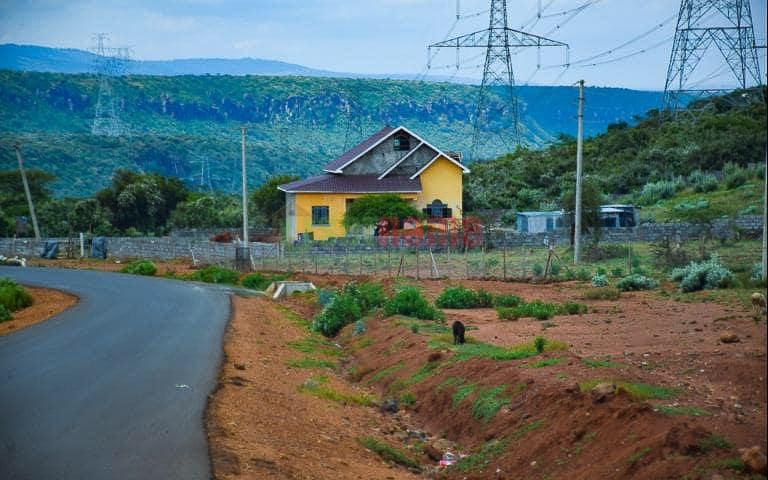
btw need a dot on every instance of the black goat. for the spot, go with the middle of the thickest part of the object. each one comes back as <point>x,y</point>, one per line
<point>458,333</point>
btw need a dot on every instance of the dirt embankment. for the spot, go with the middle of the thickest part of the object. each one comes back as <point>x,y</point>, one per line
<point>686,403</point>
<point>47,303</point>
<point>262,425</point>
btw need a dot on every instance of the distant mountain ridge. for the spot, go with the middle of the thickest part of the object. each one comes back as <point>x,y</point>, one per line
<point>34,58</point>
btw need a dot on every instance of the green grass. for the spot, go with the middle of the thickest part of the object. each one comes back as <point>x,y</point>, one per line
<point>714,442</point>
<point>317,387</point>
<point>462,392</point>
<point>309,362</point>
<point>480,459</point>
<point>601,293</point>
<point>475,349</point>
<point>381,374</point>
<point>427,370</point>
<point>605,363</point>
<point>314,345</point>
<point>547,362</point>
<point>449,382</point>
<point>721,202</point>
<point>638,391</point>
<point>293,316</point>
<point>688,411</point>
<point>488,403</point>
<point>735,464</point>
<point>638,455</point>
<point>526,429</point>
<point>389,453</point>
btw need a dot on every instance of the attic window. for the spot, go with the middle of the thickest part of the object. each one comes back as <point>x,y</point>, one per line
<point>402,142</point>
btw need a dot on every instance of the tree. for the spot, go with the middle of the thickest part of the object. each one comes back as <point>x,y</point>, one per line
<point>270,202</point>
<point>367,210</point>
<point>591,198</point>
<point>143,201</point>
<point>13,201</point>
<point>209,211</point>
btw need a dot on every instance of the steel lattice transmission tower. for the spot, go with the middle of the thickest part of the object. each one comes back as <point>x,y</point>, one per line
<point>499,40</point>
<point>110,63</point>
<point>721,27</point>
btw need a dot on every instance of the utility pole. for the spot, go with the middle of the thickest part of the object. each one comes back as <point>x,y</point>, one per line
<point>579,161</point>
<point>27,192</point>
<point>245,190</point>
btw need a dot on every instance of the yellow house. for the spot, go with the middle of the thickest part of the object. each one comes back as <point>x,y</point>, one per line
<point>393,160</point>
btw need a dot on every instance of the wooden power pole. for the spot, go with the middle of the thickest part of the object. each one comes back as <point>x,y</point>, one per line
<point>27,192</point>
<point>579,161</point>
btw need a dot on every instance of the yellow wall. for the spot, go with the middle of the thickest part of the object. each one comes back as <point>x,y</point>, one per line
<point>442,180</point>
<point>337,203</point>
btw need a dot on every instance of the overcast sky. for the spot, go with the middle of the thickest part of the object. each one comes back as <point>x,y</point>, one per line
<point>365,36</point>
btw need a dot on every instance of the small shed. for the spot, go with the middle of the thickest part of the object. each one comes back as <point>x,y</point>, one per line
<point>536,222</point>
<point>618,215</point>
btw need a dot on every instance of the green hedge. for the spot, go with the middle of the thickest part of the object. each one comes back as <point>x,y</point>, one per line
<point>140,267</point>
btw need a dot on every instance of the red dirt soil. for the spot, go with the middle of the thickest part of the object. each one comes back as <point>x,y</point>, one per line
<point>259,424</point>
<point>47,303</point>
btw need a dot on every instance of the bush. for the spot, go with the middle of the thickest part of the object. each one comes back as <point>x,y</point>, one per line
<point>705,275</point>
<point>457,297</point>
<point>602,293</point>
<point>554,269</point>
<point>214,274</point>
<point>583,274</point>
<point>536,309</point>
<point>259,281</point>
<point>538,269</point>
<point>654,191</point>
<point>342,311</point>
<point>13,296</point>
<point>702,182</point>
<point>572,308</point>
<point>349,306</point>
<point>507,313</point>
<point>617,272</point>
<point>601,271</point>
<point>636,282</point>
<point>409,302</point>
<point>734,175</point>
<point>140,267</point>
<point>757,272</point>
<point>507,301</point>
<point>539,343</point>
<point>5,315</point>
<point>600,280</point>
<point>484,299</point>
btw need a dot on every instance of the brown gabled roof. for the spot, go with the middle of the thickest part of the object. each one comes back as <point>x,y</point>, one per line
<point>361,147</point>
<point>329,183</point>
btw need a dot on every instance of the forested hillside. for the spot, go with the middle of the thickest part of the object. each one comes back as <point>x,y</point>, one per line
<point>188,126</point>
<point>642,163</point>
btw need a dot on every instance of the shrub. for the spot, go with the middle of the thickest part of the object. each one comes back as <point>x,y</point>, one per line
<point>13,296</point>
<point>457,297</point>
<point>705,275</point>
<point>5,315</point>
<point>484,299</point>
<point>603,293</point>
<point>369,295</point>
<point>757,272</point>
<point>636,282</point>
<point>572,308</point>
<point>507,313</point>
<point>140,267</point>
<point>259,281</point>
<point>583,274</point>
<point>214,274</point>
<point>554,269</point>
<point>654,191</point>
<point>507,301</point>
<point>702,182</point>
<point>538,269</point>
<point>601,271</point>
<point>617,272</point>
<point>734,175</point>
<point>343,310</point>
<point>409,302</point>
<point>536,309</point>
<point>539,343</point>
<point>600,280</point>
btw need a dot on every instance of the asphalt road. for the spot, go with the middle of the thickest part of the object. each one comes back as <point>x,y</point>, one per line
<point>116,386</point>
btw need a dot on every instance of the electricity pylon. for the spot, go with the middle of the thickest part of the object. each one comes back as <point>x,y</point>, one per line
<point>498,40</point>
<point>110,62</point>
<point>721,27</point>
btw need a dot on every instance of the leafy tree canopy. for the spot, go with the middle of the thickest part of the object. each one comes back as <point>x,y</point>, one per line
<point>369,209</point>
<point>270,201</point>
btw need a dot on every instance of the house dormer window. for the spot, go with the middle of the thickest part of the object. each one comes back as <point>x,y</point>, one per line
<point>402,142</point>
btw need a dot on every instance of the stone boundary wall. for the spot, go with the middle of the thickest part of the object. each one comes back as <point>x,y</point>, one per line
<point>156,248</point>
<point>207,252</point>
